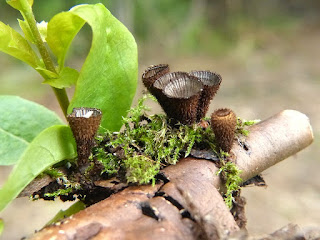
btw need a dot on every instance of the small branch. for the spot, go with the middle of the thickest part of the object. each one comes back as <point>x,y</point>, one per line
<point>186,204</point>
<point>272,141</point>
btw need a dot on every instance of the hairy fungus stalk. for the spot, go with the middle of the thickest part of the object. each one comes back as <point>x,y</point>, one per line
<point>223,124</point>
<point>84,123</point>
<point>211,82</point>
<point>182,93</point>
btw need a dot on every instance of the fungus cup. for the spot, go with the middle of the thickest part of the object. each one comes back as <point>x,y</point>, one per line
<point>211,82</point>
<point>185,97</point>
<point>84,123</point>
<point>223,124</point>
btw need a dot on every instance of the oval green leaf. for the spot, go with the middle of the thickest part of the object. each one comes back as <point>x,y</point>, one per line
<point>61,30</point>
<point>17,4</point>
<point>73,209</point>
<point>51,146</point>
<point>26,30</point>
<point>67,78</point>
<point>20,122</point>
<point>108,78</point>
<point>14,44</point>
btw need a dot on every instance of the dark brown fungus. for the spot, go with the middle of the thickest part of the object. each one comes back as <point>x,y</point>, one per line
<point>223,124</point>
<point>211,82</point>
<point>181,95</point>
<point>84,123</point>
<point>152,73</point>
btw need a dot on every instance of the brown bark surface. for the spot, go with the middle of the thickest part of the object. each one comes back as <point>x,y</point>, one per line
<point>187,203</point>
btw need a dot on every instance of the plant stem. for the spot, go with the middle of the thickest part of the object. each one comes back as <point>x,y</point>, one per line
<point>63,99</point>
<point>27,13</point>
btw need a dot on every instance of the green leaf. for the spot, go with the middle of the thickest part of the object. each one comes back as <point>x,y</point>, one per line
<point>17,46</point>
<point>26,30</point>
<point>47,74</point>
<point>61,30</point>
<point>67,78</point>
<point>20,122</point>
<point>17,5</point>
<point>1,226</point>
<point>51,146</point>
<point>42,27</point>
<point>74,208</point>
<point>108,78</point>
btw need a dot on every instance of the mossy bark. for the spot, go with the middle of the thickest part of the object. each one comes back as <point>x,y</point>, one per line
<point>186,203</point>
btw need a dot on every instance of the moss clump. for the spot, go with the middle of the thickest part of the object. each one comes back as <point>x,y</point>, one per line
<point>241,128</point>
<point>140,169</point>
<point>147,143</point>
<point>52,172</point>
<point>68,187</point>
<point>231,175</point>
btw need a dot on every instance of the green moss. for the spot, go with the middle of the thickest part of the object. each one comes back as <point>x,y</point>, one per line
<point>53,172</point>
<point>109,161</point>
<point>242,125</point>
<point>231,175</point>
<point>69,187</point>
<point>140,169</point>
<point>148,141</point>
<point>59,192</point>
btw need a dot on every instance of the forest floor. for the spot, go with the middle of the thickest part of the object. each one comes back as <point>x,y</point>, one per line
<point>258,82</point>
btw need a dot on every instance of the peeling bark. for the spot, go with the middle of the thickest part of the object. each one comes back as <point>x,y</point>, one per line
<point>186,204</point>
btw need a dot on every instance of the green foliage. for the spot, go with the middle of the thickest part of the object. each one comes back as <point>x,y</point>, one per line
<point>66,78</point>
<point>14,44</point>
<point>111,64</point>
<point>20,122</point>
<point>107,81</point>
<point>61,30</point>
<point>74,208</point>
<point>20,4</point>
<point>1,226</point>
<point>52,145</point>
<point>108,77</point>
<point>231,174</point>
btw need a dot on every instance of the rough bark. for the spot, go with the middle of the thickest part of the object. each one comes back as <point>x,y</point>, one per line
<point>186,204</point>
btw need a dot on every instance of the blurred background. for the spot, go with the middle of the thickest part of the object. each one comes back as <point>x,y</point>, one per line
<point>268,55</point>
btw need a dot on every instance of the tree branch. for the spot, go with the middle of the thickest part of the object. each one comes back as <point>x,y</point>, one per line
<point>186,204</point>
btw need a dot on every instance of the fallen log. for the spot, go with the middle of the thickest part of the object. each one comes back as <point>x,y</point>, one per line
<point>187,203</point>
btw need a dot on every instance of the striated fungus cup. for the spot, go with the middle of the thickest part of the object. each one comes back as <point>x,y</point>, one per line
<point>223,124</point>
<point>211,82</point>
<point>181,96</point>
<point>152,73</point>
<point>84,123</point>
